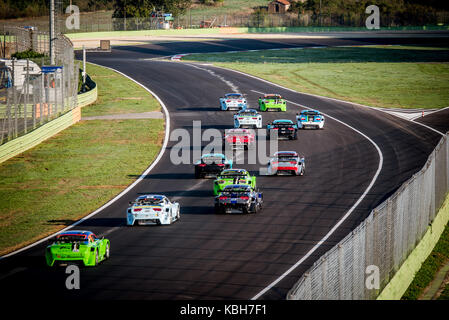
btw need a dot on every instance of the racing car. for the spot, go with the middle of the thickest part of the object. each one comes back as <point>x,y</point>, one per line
<point>241,197</point>
<point>233,176</point>
<point>152,209</point>
<point>310,119</point>
<point>77,246</point>
<point>272,102</point>
<point>285,129</point>
<point>248,118</point>
<point>287,162</point>
<point>239,139</point>
<point>233,101</point>
<point>211,164</point>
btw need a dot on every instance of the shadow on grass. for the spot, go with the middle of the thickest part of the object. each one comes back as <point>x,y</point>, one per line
<point>165,176</point>
<point>91,222</point>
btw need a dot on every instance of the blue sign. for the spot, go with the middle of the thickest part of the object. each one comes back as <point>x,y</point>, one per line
<point>50,69</point>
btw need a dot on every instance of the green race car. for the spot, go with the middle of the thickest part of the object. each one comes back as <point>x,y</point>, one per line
<point>272,102</point>
<point>77,246</point>
<point>233,176</point>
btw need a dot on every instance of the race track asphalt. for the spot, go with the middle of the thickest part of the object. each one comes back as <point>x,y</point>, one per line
<point>208,256</point>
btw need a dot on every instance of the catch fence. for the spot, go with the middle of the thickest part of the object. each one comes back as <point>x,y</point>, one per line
<point>33,92</point>
<point>384,240</point>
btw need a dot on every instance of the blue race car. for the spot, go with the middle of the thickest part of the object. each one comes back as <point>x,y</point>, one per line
<point>233,101</point>
<point>310,119</point>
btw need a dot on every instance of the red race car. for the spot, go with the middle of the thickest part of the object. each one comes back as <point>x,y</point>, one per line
<point>240,139</point>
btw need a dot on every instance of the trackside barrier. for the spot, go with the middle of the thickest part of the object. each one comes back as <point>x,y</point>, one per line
<point>30,140</point>
<point>405,275</point>
<point>389,240</point>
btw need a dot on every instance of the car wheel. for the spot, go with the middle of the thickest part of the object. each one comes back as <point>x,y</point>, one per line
<point>106,252</point>
<point>96,258</point>
<point>254,208</point>
<point>219,210</point>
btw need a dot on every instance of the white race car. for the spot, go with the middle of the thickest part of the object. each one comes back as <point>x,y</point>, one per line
<point>233,101</point>
<point>152,209</point>
<point>287,162</point>
<point>248,118</point>
<point>310,119</point>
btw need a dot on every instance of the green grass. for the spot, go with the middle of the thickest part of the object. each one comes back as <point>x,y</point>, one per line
<point>76,171</point>
<point>126,96</point>
<point>382,76</point>
<point>430,267</point>
<point>228,7</point>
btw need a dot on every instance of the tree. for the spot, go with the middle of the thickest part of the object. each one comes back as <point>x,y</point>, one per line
<point>144,8</point>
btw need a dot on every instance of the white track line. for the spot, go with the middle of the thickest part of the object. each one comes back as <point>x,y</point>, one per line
<point>333,99</point>
<point>346,215</point>
<point>428,113</point>
<point>161,152</point>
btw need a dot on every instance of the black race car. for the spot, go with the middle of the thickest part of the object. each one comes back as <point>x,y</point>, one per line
<point>284,129</point>
<point>211,164</point>
<point>238,197</point>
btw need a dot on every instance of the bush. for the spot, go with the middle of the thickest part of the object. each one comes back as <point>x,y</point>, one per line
<point>28,54</point>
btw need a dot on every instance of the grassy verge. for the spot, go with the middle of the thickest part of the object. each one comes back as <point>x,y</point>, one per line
<point>445,294</point>
<point>70,175</point>
<point>126,96</point>
<point>382,76</point>
<point>438,257</point>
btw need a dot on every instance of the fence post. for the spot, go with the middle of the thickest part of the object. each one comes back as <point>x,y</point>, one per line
<point>340,271</point>
<point>25,98</point>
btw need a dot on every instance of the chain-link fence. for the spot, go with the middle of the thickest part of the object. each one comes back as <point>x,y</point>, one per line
<point>384,240</point>
<point>32,92</point>
<point>103,21</point>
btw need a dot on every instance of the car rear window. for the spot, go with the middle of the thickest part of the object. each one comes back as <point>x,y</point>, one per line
<point>283,125</point>
<point>282,159</point>
<point>233,174</point>
<point>212,160</point>
<point>71,238</point>
<point>149,201</point>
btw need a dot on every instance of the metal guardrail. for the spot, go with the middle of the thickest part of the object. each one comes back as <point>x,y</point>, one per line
<point>384,240</point>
